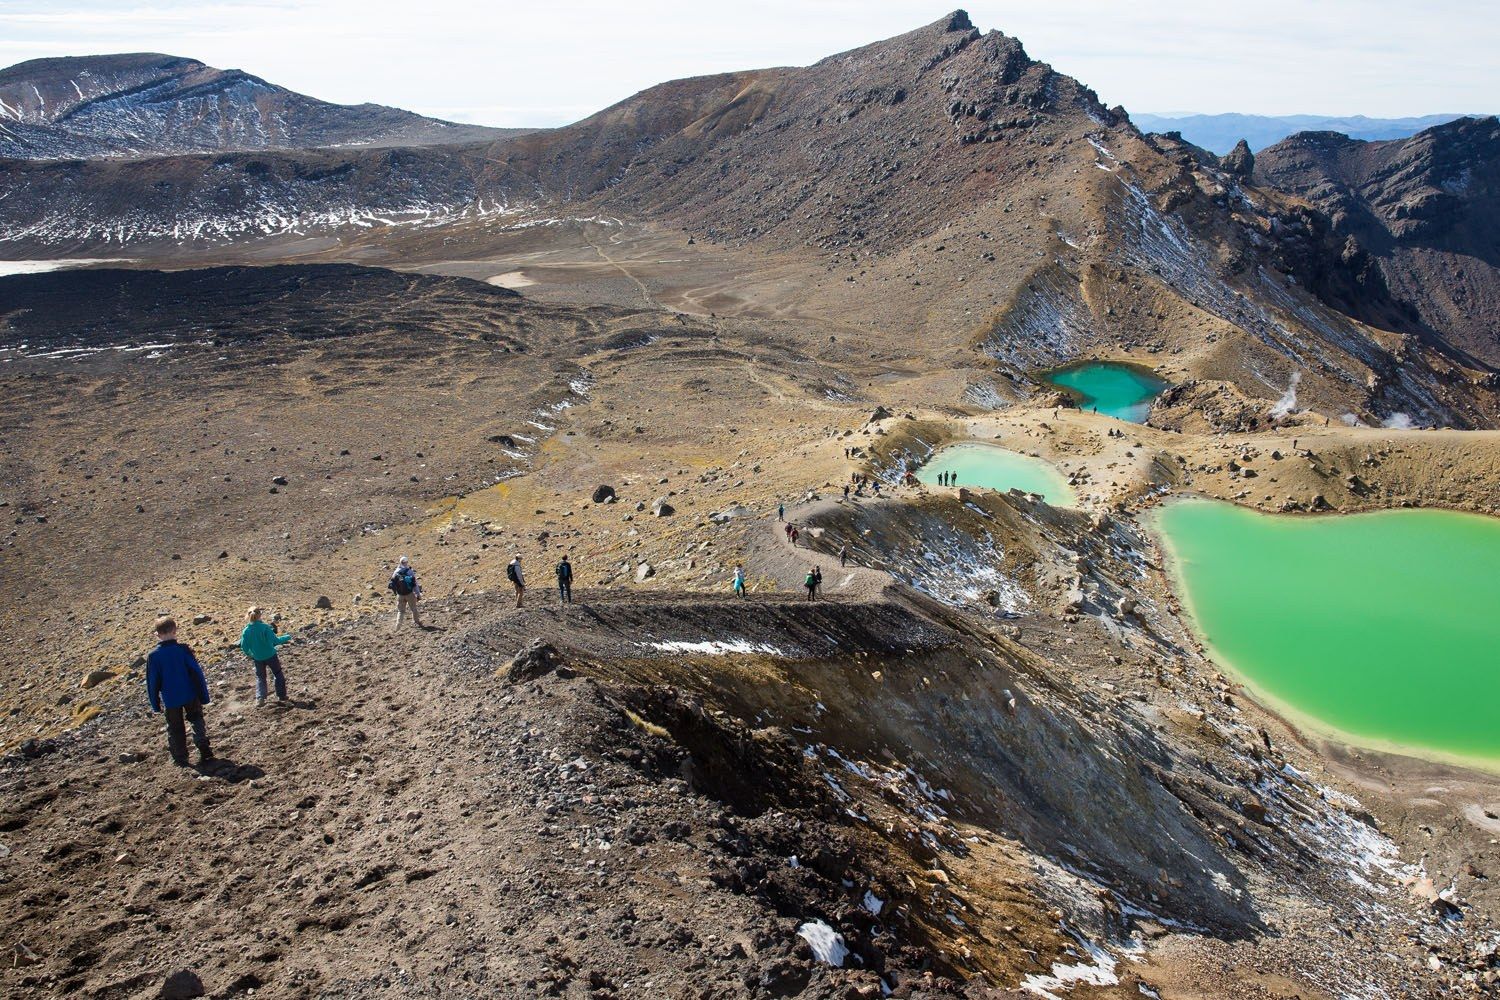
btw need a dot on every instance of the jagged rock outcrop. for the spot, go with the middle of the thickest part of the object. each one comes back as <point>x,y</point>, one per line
<point>1239,161</point>
<point>1422,213</point>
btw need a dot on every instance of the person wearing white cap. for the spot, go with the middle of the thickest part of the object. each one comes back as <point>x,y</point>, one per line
<point>404,585</point>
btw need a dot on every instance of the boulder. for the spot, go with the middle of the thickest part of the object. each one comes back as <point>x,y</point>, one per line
<point>94,678</point>
<point>279,480</point>
<point>662,509</point>
<point>323,603</point>
<point>603,494</point>
<point>537,659</point>
<point>182,985</point>
<point>504,440</point>
<point>203,619</point>
<point>644,572</point>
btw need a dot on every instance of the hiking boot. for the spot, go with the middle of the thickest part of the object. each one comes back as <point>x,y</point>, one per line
<point>260,702</point>
<point>180,762</point>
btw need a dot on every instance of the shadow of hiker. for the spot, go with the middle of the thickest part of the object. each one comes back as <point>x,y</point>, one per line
<point>230,771</point>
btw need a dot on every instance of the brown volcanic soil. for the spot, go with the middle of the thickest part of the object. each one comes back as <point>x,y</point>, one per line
<point>1131,786</point>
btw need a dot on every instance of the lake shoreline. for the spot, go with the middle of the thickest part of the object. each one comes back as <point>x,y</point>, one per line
<point>1297,719</point>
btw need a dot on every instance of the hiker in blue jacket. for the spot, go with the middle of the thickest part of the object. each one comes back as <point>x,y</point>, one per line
<point>176,685</point>
<point>403,583</point>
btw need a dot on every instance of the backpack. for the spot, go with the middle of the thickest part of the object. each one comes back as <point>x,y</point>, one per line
<point>401,582</point>
<point>510,572</point>
<point>811,581</point>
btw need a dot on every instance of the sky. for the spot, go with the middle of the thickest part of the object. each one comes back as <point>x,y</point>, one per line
<point>501,62</point>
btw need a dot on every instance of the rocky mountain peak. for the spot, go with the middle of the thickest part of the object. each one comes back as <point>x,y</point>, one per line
<point>959,21</point>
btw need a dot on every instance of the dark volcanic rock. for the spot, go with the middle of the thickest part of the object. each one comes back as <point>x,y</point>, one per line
<point>1422,214</point>
<point>1239,161</point>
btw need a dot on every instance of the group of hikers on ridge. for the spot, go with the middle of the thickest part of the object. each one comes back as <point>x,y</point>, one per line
<point>177,687</point>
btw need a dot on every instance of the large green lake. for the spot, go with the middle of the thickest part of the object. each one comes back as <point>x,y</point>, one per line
<point>984,466</point>
<point>1381,627</point>
<point>1116,390</point>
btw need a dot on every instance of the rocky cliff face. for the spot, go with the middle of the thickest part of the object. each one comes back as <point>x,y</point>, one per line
<point>148,104</point>
<point>1422,213</point>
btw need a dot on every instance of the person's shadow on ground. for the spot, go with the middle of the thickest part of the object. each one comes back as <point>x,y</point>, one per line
<point>225,769</point>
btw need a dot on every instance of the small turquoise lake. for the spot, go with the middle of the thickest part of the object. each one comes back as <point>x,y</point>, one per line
<point>985,466</point>
<point>1380,627</point>
<point>1116,390</point>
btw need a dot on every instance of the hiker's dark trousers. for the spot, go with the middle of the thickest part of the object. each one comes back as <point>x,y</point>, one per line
<point>565,591</point>
<point>177,733</point>
<point>274,665</point>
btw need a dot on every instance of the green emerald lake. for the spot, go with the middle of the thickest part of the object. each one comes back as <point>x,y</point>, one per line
<point>984,466</point>
<point>1121,391</point>
<point>1384,627</point>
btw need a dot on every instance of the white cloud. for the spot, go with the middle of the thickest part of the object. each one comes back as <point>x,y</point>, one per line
<point>523,63</point>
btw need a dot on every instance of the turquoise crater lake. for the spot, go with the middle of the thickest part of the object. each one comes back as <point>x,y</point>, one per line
<point>985,466</point>
<point>1114,389</point>
<point>1381,627</point>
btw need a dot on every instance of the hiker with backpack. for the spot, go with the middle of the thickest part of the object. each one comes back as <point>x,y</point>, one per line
<point>513,574</point>
<point>259,641</point>
<point>565,581</point>
<point>739,580</point>
<point>811,583</point>
<point>403,584</point>
<point>176,686</point>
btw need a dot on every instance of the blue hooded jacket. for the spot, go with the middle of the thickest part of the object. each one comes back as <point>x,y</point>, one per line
<point>173,677</point>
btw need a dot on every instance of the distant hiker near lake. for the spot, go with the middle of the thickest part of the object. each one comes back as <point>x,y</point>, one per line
<point>176,686</point>
<point>259,641</point>
<point>403,584</point>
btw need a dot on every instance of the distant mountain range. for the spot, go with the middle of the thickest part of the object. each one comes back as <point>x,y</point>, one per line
<point>148,104</point>
<point>1219,133</point>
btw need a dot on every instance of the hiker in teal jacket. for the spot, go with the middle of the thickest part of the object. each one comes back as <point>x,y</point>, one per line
<point>259,641</point>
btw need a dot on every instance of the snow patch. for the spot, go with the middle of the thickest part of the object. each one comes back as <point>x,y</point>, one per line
<point>717,647</point>
<point>827,944</point>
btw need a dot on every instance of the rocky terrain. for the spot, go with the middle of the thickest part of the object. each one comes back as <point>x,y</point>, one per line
<point>148,104</point>
<point>993,759</point>
<point>1421,213</point>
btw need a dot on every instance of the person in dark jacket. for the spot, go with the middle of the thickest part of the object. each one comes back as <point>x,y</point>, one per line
<point>175,684</point>
<point>565,581</point>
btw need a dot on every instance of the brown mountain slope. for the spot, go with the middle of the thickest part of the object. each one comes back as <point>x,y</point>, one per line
<point>941,187</point>
<point>1423,212</point>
